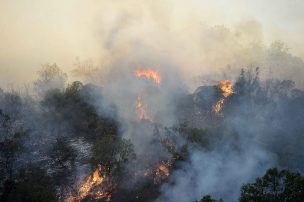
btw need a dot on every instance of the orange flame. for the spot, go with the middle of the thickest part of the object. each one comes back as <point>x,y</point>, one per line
<point>160,171</point>
<point>218,106</point>
<point>96,177</point>
<point>149,74</point>
<point>86,188</point>
<point>141,109</point>
<point>226,87</point>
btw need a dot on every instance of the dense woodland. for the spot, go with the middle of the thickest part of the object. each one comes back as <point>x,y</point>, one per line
<point>52,139</point>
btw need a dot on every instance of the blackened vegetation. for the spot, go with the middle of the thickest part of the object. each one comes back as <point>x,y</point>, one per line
<point>30,184</point>
<point>47,146</point>
<point>10,146</point>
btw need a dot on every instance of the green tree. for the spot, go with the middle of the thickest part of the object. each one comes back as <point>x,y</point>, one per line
<point>112,152</point>
<point>275,186</point>
<point>208,198</point>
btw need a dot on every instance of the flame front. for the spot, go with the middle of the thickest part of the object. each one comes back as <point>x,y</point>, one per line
<point>89,184</point>
<point>149,74</point>
<point>140,105</point>
<point>226,87</point>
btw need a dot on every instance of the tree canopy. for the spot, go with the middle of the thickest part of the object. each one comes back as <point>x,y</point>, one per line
<point>275,186</point>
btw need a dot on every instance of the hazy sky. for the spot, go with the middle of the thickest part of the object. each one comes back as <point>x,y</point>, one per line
<point>35,32</point>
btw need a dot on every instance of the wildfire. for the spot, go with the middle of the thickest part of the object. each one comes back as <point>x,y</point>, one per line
<point>87,188</point>
<point>140,105</point>
<point>160,171</point>
<point>149,74</point>
<point>218,106</point>
<point>96,177</point>
<point>226,87</point>
<point>141,109</point>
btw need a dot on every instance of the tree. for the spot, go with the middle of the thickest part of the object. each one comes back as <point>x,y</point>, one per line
<point>86,70</point>
<point>112,152</point>
<point>50,77</point>
<point>10,145</point>
<point>32,185</point>
<point>63,159</point>
<point>11,104</point>
<point>62,167</point>
<point>72,107</point>
<point>275,186</point>
<point>208,198</point>
<point>248,82</point>
<point>196,137</point>
<point>9,149</point>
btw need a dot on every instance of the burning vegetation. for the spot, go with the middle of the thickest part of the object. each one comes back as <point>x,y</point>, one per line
<point>135,160</point>
<point>142,109</point>
<point>100,185</point>
<point>226,88</point>
<point>97,186</point>
<point>160,171</point>
<point>145,111</point>
<point>149,74</point>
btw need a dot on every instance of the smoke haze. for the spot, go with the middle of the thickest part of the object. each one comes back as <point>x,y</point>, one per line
<point>191,45</point>
<point>200,37</point>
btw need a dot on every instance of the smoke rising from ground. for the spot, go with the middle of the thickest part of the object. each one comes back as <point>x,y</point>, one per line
<point>217,173</point>
<point>190,44</point>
